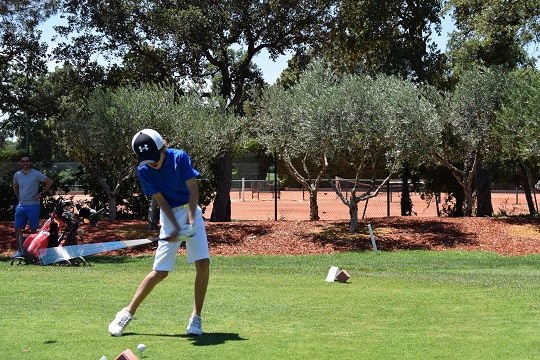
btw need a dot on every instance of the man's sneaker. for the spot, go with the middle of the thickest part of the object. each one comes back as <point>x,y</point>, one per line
<point>195,325</point>
<point>116,328</point>
<point>17,254</point>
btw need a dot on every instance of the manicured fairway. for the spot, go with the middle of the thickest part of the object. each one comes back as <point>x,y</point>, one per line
<point>403,305</point>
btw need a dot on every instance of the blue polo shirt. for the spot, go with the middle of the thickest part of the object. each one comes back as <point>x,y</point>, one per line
<point>170,179</point>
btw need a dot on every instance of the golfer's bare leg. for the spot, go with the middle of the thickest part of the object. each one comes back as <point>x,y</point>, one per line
<point>145,288</point>
<point>201,284</point>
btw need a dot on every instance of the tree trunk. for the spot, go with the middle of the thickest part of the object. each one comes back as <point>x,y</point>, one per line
<point>527,189</point>
<point>484,206</point>
<point>153,215</point>
<point>353,212</point>
<point>406,203</point>
<point>111,200</point>
<point>221,211</point>
<point>459,194</point>
<point>313,206</point>
<point>468,198</point>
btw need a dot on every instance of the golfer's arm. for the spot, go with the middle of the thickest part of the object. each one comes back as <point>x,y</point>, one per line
<point>193,188</point>
<point>166,208</point>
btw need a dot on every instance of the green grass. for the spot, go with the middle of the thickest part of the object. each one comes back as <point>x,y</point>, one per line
<point>403,305</point>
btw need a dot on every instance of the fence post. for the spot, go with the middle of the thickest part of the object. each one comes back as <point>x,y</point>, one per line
<point>243,188</point>
<point>388,195</point>
<point>275,186</point>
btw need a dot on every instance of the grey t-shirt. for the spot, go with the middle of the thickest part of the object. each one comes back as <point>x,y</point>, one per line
<point>28,185</point>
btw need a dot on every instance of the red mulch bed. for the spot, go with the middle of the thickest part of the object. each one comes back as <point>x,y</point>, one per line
<point>505,236</point>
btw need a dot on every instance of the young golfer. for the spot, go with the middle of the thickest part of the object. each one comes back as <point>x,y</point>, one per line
<point>167,175</point>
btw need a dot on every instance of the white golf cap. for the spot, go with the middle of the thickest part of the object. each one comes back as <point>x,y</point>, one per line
<point>147,144</point>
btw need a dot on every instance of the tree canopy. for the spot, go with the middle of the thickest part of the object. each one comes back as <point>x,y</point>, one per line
<point>391,37</point>
<point>468,134</point>
<point>192,39</point>
<point>327,118</point>
<point>22,61</point>
<point>493,32</point>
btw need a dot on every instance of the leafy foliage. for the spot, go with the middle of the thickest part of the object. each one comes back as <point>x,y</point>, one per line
<point>22,61</point>
<point>326,118</point>
<point>390,37</point>
<point>298,123</point>
<point>468,134</point>
<point>181,39</point>
<point>108,121</point>
<point>492,32</point>
<point>518,120</point>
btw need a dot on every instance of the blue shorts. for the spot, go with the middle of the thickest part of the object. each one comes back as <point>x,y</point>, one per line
<point>27,214</point>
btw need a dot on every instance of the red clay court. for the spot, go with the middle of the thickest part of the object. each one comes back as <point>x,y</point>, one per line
<point>294,205</point>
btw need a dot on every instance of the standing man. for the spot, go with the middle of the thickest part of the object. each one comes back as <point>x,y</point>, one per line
<point>26,188</point>
<point>167,175</point>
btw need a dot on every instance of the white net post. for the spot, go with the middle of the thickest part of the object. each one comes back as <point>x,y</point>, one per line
<point>338,186</point>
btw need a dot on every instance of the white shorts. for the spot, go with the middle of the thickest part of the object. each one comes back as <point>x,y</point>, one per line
<point>196,246</point>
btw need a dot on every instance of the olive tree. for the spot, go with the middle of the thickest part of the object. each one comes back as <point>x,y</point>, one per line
<point>519,116</point>
<point>468,118</point>
<point>298,124</point>
<point>98,132</point>
<point>385,121</point>
<point>518,123</point>
<point>206,128</point>
<point>325,119</point>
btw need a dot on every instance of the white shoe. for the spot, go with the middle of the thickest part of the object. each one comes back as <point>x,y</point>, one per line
<point>194,325</point>
<point>116,328</point>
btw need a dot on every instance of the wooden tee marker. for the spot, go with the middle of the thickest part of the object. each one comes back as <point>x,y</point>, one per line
<point>343,276</point>
<point>127,355</point>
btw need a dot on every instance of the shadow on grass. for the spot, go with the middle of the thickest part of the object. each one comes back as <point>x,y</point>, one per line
<point>113,259</point>
<point>106,259</point>
<point>206,339</point>
<point>406,235</point>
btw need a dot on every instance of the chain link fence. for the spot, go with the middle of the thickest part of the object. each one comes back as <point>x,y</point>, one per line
<point>258,200</point>
<point>255,196</point>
